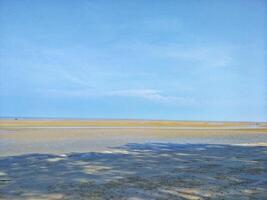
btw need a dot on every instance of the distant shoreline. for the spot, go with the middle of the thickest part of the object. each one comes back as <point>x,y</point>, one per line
<point>120,119</point>
<point>137,127</point>
<point>140,124</point>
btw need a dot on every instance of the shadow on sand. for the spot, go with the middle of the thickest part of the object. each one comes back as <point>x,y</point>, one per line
<point>139,171</point>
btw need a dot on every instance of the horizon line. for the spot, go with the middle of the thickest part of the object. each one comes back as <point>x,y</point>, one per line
<point>123,119</point>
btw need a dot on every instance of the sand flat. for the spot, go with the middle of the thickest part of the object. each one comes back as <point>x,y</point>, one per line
<point>139,171</point>
<point>19,137</point>
<point>120,123</point>
<point>107,161</point>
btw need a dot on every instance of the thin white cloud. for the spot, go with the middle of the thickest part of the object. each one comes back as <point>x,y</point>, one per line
<point>75,80</point>
<point>208,55</point>
<point>148,94</point>
<point>211,56</point>
<point>154,95</point>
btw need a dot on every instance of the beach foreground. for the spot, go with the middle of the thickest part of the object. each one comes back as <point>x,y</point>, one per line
<point>133,162</point>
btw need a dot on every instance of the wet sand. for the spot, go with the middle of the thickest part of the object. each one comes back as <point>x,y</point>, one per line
<point>16,141</point>
<point>133,162</point>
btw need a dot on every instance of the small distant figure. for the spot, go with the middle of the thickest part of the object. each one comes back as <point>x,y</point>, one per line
<point>16,118</point>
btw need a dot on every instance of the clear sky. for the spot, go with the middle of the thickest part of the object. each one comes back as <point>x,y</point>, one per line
<point>145,59</point>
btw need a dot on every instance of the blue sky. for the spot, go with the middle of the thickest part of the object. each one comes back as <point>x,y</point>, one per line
<point>152,59</point>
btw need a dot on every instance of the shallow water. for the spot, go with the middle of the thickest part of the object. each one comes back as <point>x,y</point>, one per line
<point>143,163</point>
<point>139,171</point>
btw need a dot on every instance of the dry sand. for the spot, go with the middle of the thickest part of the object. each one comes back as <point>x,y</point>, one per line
<point>121,123</point>
<point>53,159</point>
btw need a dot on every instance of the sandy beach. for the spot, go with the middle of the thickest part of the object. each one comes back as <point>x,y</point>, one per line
<point>43,159</point>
